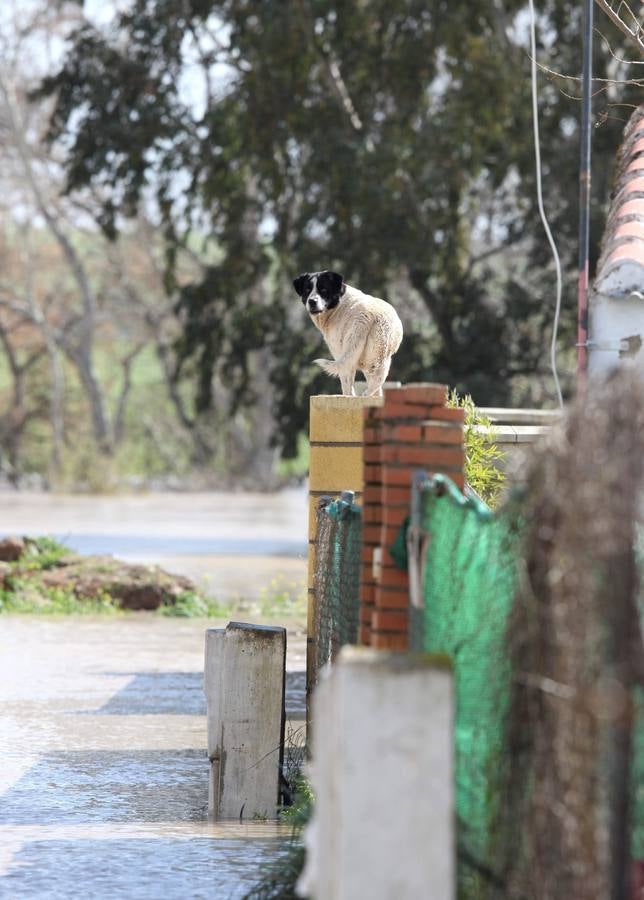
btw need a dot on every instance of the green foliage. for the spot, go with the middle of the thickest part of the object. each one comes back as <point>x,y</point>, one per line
<point>43,553</point>
<point>483,459</point>
<point>390,140</point>
<point>299,813</point>
<point>22,595</point>
<point>190,604</point>
<point>296,468</point>
<point>280,878</point>
<point>283,598</point>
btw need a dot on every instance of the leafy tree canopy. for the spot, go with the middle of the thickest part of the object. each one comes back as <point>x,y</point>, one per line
<point>390,139</point>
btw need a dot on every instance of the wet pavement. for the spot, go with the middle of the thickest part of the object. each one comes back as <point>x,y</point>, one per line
<point>103,766</point>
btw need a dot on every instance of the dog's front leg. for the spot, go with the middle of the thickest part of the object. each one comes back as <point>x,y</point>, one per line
<point>347,382</point>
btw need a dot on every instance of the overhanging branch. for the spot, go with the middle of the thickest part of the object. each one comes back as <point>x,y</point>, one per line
<point>621,14</point>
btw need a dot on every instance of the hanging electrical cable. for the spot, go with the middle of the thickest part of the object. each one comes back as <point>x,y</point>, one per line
<point>542,213</point>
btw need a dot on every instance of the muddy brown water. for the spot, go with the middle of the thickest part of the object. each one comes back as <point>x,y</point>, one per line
<point>103,766</point>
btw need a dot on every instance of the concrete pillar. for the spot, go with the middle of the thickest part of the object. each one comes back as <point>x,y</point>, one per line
<point>244,685</point>
<point>382,775</point>
<point>335,434</point>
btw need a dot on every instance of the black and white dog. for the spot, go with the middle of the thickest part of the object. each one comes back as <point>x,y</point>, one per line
<point>362,332</point>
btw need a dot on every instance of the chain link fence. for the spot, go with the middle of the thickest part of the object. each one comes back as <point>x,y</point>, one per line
<point>337,577</point>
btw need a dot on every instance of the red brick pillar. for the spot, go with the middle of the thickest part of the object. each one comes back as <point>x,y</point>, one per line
<point>412,430</point>
<point>372,519</point>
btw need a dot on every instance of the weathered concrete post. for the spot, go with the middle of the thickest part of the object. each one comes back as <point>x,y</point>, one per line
<point>244,684</point>
<point>213,679</point>
<point>382,776</point>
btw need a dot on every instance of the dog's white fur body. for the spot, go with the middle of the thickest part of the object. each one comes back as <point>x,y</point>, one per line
<point>362,333</point>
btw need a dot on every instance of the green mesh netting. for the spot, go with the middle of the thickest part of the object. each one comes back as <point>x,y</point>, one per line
<point>469,580</point>
<point>469,584</point>
<point>337,578</point>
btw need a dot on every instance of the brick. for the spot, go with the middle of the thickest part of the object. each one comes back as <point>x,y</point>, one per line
<point>396,409</point>
<point>336,469</point>
<point>371,435</point>
<point>398,476</point>
<point>368,593</point>
<point>431,394</point>
<point>389,534</point>
<point>442,433</point>
<point>371,534</point>
<point>392,598</point>
<point>395,515</point>
<point>389,641</point>
<point>396,496</point>
<point>387,559</point>
<point>410,434</point>
<point>390,392</point>
<point>365,636</point>
<point>367,555</point>
<point>371,453</point>
<point>366,615</point>
<point>433,457</point>
<point>372,494</point>
<point>390,621</point>
<point>372,515</point>
<point>371,409</point>
<point>394,577</point>
<point>446,413</point>
<point>372,474</point>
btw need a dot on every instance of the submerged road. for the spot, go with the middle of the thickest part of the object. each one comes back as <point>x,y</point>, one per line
<point>103,768</point>
<point>234,545</point>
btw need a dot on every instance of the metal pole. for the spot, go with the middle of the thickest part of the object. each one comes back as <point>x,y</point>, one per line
<point>584,195</point>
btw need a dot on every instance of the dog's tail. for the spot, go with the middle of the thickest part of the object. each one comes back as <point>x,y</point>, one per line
<point>330,366</point>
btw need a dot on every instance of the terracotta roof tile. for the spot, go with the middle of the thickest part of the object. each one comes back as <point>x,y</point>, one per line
<point>627,250</point>
<point>620,270</point>
<point>628,229</point>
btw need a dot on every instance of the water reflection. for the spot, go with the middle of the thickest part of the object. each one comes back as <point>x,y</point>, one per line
<point>110,786</point>
<point>103,767</point>
<point>137,868</point>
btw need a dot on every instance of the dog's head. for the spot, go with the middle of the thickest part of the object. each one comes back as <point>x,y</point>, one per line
<point>320,291</point>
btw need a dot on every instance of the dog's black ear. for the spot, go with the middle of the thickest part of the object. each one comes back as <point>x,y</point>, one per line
<point>300,283</point>
<point>337,283</point>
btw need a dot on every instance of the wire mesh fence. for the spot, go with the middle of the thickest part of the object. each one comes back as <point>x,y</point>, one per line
<point>336,577</point>
<point>538,607</point>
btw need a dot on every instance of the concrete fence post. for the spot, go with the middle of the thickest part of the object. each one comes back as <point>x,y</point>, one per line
<point>244,683</point>
<point>382,775</point>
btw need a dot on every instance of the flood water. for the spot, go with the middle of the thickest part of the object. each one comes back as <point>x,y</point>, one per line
<point>103,765</point>
<point>233,545</point>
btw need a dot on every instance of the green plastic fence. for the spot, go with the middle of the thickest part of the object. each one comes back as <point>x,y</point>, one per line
<point>469,586</point>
